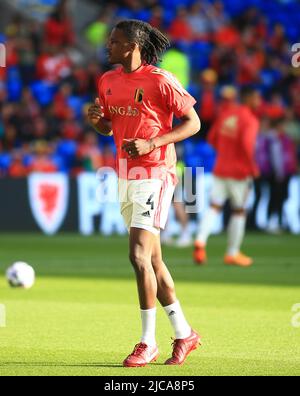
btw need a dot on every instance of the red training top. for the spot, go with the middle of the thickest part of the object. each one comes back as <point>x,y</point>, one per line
<point>141,105</point>
<point>234,137</point>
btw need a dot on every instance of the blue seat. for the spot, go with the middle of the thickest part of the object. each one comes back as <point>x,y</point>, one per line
<point>66,150</point>
<point>14,84</point>
<point>143,15</point>
<point>207,156</point>
<point>124,13</point>
<point>199,53</point>
<point>176,3</point>
<point>43,92</point>
<point>5,161</point>
<point>2,38</point>
<point>76,103</point>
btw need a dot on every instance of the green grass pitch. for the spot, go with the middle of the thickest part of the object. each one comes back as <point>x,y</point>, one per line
<point>82,316</point>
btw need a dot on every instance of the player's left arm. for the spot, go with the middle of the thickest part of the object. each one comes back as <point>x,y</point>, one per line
<point>190,125</point>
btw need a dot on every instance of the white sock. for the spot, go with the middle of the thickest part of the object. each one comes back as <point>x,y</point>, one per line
<point>148,326</point>
<point>207,225</point>
<point>236,233</point>
<point>180,325</point>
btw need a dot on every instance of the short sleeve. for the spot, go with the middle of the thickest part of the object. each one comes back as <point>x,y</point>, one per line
<point>102,95</point>
<point>177,99</point>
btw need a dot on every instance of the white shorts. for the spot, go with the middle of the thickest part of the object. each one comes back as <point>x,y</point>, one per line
<point>237,191</point>
<point>145,204</point>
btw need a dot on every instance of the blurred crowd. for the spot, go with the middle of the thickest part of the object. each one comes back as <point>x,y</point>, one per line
<point>52,71</point>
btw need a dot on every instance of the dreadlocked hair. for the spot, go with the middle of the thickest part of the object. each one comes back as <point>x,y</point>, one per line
<point>150,40</point>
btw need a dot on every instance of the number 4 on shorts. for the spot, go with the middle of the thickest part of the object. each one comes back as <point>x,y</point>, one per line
<point>151,202</point>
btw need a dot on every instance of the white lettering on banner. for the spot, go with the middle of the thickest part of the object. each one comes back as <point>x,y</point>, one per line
<point>88,205</point>
<point>97,196</point>
<point>107,194</point>
<point>49,199</point>
<point>96,199</point>
<point>107,187</point>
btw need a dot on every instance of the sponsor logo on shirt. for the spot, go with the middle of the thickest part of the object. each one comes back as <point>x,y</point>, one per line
<point>128,111</point>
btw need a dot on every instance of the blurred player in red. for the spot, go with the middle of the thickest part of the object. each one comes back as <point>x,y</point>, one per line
<point>137,101</point>
<point>233,135</point>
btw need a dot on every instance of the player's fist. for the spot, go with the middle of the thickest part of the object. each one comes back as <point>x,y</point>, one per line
<point>138,147</point>
<point>95,112</point>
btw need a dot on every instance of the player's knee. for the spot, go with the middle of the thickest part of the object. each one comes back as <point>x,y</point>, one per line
<point>139,261</point>
<point>156,260</point>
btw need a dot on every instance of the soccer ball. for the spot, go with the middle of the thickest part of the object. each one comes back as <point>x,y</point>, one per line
<point>20,275</point>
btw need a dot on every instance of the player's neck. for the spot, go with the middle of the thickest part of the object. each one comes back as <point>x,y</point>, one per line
<point>132,65</point>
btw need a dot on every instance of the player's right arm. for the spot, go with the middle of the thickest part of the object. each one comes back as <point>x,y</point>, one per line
<point>97,120</point>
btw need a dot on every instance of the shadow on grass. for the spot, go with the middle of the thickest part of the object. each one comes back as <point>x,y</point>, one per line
<point>58,364</point>
<point>77,365</point>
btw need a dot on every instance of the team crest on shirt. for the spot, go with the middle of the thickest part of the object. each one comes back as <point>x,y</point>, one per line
<point>139,95</point>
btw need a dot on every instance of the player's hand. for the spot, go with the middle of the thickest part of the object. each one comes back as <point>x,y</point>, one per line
<point>95,112</point>
<point>138,147</point>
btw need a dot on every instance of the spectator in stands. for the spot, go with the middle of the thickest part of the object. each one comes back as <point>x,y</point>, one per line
<point>295,96</point>
<point>58,28</point>
<point>89,153</point>
<point>17,168</point>
<point>29,106</point>
<point>157,18</point>
<point>292,128</point>
<point>208,100</point>
<point>62,109</point>
<point>228,36</point>
<point>42,160</point>
<point>180,30</point>
<point>224,62</point>
<point>53,65</point>
<point>250,62</point>
<point>217,16</point>
<point>109,159</point>
<point>275,107</point>
<point>27,60</point>
<point>199,22</point>
<point>284,165</point>
<point>263,160</point>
